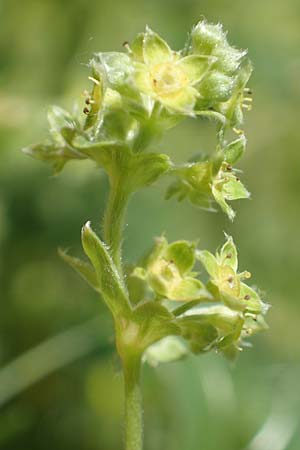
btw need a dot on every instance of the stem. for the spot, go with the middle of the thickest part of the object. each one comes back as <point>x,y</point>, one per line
<point>133,405</point>
<point>114,219</point>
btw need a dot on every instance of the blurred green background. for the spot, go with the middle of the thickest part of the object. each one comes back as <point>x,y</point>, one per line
<point>201,403</point>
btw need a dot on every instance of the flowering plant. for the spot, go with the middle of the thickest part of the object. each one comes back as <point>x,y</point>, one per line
<point>162,310</point>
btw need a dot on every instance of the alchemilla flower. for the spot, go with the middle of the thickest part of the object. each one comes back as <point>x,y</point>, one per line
<point>168,271</point>
<point>165,75</point>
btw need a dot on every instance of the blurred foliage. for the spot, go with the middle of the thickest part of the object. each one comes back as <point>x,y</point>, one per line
<point>202,403</point>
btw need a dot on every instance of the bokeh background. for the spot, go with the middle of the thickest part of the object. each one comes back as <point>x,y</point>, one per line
<point>67,394</point>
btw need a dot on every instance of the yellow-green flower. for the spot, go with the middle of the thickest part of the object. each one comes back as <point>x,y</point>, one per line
<point>164,75</point>
<point>168,270</point>
<point>226,283</point>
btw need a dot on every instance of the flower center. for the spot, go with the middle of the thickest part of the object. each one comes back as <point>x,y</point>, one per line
<point>167,78</point>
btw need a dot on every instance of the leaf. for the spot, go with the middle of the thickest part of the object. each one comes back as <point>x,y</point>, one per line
<point>56,156</point>
<point>110,283</point>
<point>85,270</point>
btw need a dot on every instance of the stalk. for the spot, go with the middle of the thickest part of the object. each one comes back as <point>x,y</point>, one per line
<point>114,218</point>
<point>133,405</point>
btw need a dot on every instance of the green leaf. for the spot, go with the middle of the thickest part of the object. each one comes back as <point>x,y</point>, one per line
<point>168,349</point>
<point>235,150</point>
<point>110,283</point>
<point>56,156</point>
<point>85,270</point>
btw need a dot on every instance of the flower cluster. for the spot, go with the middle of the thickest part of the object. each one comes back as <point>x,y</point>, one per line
<point>161,305</point>
<point>219,313</point>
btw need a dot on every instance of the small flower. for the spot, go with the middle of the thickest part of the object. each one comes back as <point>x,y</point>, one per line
<point>168,270</point>
<point>212,180</point>
<point>226,283</point>
<point>165,75</point>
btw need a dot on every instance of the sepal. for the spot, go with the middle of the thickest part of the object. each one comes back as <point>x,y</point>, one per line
<point>168,349</point>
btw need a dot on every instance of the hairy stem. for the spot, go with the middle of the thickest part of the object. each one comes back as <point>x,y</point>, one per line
<point>114,219</point>
<point>133,405</point>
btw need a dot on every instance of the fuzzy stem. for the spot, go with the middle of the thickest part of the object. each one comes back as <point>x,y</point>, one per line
<point>114,219</point>
<point>133,405</point>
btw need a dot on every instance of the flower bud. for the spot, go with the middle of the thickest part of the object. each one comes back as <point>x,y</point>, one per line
<point>205,37</point>
<point>216,87</point>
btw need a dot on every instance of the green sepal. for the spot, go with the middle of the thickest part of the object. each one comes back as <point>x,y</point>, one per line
<point>85,270</point>
<point>59,149</point>
<point>182,253</point>
<point>110,283</point>
<point>209,262</point>
<point>154,321</point>
<point>235,150</point>
<point>226,323</point>
<point>62,125</point>
<point>199,332</point>
<point>115,67</point>
<point>228,254</point>
<point>168,349</point>
<point>137,170</point>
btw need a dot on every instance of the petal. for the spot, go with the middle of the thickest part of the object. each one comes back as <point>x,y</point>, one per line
<point>156,50</point>
<point>182,101</point>
<point>195,66</point>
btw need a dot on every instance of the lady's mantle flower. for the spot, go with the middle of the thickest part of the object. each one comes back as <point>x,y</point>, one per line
<point>226,283</point>
<point>168,271</point>
<point>164,75</point>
